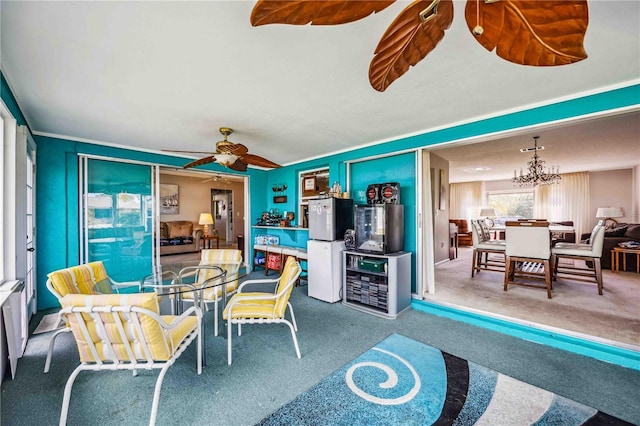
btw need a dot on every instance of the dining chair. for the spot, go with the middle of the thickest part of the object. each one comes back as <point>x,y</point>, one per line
<point>267,307</point>
<point>228,260</point>
<point>126,332</point>
<point>88,278</point>
<point>528,254</point>
<point>576,252</point>
<point>483,247</point>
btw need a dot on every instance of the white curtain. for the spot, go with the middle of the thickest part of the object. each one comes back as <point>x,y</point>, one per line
<point>465,200</point>
<point>567,200</point>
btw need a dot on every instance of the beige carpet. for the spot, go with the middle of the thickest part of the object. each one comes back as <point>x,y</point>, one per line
<point>575,306</point>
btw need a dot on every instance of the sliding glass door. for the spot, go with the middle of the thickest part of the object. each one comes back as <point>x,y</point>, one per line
<point>118,216</point>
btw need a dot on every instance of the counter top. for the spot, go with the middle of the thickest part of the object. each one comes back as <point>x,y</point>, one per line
<point>284,228</point>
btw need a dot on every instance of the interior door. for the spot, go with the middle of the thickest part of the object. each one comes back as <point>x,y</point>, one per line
<point>118,216</point>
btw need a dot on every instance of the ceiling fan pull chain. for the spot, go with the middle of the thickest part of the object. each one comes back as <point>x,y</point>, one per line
<point>478,30</point>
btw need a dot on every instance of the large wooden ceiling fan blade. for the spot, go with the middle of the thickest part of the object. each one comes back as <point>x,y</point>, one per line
<point>205,160</point>
<point>303,12</point>
<point>414,33</point>
<point>256,160</point>
<point>536,33</point>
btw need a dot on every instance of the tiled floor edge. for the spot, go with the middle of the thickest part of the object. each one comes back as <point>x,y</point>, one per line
<point>604,352</point>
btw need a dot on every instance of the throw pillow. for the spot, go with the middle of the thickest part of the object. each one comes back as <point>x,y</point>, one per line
<point>180,230</point>
<point>616,232</point>
<point>633,232</point>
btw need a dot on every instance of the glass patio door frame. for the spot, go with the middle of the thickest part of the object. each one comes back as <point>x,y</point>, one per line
<point>153,215</point>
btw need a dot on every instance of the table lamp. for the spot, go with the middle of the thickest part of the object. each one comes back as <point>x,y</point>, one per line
<point>206,219</point>
<point>608,214</point>
<point>488,214</point>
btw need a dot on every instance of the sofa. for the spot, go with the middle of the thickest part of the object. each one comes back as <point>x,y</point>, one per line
<point>179,236</point>
<point>620,233</point>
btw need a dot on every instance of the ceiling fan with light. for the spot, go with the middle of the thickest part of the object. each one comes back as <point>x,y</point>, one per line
<point>217,178</point>
<point>526,32</point>
<point>229,154</point>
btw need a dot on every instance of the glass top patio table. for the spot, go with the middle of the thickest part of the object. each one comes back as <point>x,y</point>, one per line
<point>178,278</point>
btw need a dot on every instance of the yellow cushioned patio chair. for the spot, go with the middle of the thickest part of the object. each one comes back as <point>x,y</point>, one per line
<point>89,278</point>
<point>264,307</point>
<point>228,260</point>
<point>126,332</point>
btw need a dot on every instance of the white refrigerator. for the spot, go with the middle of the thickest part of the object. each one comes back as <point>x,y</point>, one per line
<point>325,270</point>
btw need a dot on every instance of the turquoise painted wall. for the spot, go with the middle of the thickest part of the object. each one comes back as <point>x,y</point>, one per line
<point>57,201</point>
<point>57,181</point>
<point>398,168</point>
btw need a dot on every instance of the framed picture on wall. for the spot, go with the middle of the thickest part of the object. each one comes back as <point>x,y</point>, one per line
<point>169,201</point>
<point>443,190</point>
<point>309,186</point>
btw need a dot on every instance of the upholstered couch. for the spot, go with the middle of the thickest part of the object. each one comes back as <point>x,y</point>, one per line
<point>621,233</point>
<point>179,236</point>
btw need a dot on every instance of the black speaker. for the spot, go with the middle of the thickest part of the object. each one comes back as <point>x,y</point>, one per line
<point>390,193</point>
<point>373,194</point>
<point>350,239</point>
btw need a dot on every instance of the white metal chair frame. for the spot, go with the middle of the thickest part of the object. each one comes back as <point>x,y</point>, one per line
<point>587,252</point>
<point>239,297</point>
<point>231,268</point>
<point>482,248</point>
<point>526,254</point>
<point>132,363</point>
<point>115,286</point>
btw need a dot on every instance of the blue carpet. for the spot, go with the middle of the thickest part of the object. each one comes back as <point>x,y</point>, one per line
<point>404,382</point>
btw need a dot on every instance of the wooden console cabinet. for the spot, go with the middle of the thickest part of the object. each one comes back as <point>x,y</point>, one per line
<point>377,284</point>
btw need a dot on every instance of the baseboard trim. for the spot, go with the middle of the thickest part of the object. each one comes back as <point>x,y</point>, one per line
<point>601,349</point>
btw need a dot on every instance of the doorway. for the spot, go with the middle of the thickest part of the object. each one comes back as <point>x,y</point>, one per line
<point>222,210</point>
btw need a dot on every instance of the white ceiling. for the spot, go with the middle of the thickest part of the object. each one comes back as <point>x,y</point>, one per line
<point>167,75</point>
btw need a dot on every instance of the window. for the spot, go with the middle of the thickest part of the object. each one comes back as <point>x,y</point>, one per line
<point>311,184</point>
<point>100,210</point>
<point>512,204</point>
<point>129,209</point>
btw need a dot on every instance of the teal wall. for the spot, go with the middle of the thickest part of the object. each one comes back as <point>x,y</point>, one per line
<point>57,178</point>
<point>57,200</point>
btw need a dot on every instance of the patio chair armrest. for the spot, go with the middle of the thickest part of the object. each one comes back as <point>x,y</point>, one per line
<point>117,285</point>
<point>176,321</point>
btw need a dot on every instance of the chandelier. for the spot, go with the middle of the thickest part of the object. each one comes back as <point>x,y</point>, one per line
<point>537,174</point>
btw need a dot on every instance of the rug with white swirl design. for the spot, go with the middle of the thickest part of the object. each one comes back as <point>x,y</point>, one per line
<point>404,382</point>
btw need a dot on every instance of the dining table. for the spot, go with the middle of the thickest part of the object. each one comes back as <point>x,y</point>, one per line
<point>499,230</point>
<point>176,279</point>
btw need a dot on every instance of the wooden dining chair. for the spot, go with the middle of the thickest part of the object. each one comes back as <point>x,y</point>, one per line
<point>591,252</point>
<point>528,254</point>
<point>483,248</point>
